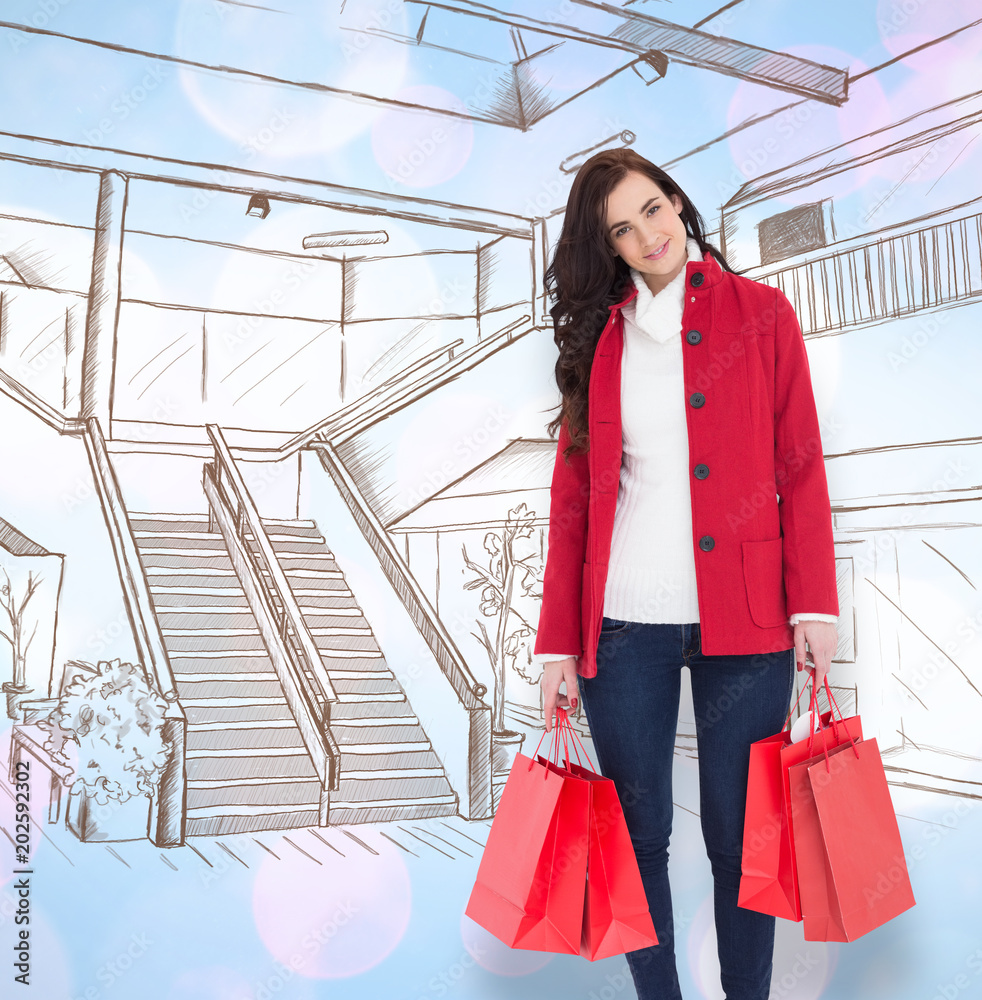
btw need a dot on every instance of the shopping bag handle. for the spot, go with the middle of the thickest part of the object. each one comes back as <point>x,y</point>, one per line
<point>575,742</point>
<point>813,705</point>
<point>560,736</point>
<point>833,708</point>
<point>787,721</point>
<point>563,734</point>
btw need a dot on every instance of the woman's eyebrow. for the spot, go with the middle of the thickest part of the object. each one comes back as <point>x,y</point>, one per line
<point>617,225</point>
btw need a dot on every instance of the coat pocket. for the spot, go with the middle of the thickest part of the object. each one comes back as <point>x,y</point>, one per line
<point>763,575</point>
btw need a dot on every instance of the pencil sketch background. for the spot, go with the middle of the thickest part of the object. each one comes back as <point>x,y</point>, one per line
<point>361,369</point>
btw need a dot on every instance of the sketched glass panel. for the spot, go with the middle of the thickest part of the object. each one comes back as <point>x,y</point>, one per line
<point>440,283</point>
<point>269,373</point>
<point>158,364</point>
<point>46,239</point>
<point>203,275</point>
<point>41,342</point>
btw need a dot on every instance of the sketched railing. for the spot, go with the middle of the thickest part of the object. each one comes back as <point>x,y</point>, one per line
<point>291,647</point>
<point>167,822</point>
<point>416,370</point>
<point>452,663</point>
<point>895,276</point>
<point>400,391</point>
<point>470,773</point>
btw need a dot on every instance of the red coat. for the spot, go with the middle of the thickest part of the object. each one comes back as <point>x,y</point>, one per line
<point>761,520</point>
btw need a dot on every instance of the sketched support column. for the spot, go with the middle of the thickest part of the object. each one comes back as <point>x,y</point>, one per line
<point>349,279</point>
<point>539,262</point>
<point>99,357</point>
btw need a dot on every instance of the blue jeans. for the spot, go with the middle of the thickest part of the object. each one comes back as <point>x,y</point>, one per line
<point>632,707</point>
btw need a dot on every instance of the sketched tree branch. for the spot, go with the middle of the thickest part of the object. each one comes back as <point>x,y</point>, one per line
<point>505,579</point>
<point>15,616</point>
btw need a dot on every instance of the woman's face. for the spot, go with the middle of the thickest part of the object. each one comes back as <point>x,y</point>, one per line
<point>645,230</point>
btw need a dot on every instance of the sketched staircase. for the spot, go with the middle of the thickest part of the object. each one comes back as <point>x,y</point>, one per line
<point>247,766</point>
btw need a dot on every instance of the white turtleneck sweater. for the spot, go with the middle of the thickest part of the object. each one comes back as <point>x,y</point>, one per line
<point>651,574</point>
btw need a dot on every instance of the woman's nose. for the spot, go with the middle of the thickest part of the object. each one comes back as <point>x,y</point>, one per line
<point>648,230</point>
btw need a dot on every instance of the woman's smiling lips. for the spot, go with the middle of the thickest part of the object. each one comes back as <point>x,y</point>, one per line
<point>657,253</point>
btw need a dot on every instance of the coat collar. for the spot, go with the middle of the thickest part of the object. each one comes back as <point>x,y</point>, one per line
<point>708,266</point>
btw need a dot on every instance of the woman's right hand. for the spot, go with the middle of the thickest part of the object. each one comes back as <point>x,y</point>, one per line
<point>554,674</point>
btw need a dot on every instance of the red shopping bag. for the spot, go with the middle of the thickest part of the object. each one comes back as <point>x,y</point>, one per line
<point>616,917</point>
<point>769,882</point>
<point>531,880</point>
<point>851,866</point>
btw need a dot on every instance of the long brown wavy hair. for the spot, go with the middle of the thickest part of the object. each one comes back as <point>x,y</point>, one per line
<point>585,278</point>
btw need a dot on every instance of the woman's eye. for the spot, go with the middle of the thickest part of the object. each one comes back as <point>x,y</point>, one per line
<point>652,210</point>
<point>621,232</point>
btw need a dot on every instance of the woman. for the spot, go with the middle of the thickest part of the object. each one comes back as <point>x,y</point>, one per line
<point>689,526</point>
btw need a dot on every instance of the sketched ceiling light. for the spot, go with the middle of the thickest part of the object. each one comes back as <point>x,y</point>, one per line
<point>651,66</point>
<point>317,241</point>
<point>258,206</point>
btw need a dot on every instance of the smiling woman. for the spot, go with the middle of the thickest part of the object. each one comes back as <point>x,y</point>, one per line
<point>685,390</point>
<point>651,239</point>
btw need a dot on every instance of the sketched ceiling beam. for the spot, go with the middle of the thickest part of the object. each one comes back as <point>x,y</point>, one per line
<point>896,137</point>
<point>639,33</point>
<point>251,76</point>
<point>78,158</point>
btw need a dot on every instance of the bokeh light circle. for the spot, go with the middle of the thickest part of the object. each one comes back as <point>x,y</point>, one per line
<point>336,919</point>
<point>495,955</point>
<point>802,969</point>
<point>804,127</point>
<point>421,148</point>
<point>212,982</point>
<point>280,120</point>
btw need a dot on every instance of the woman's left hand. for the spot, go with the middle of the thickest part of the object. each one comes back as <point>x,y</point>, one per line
<point>822,640</point>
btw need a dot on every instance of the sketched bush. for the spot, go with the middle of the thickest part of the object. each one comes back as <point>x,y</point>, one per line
<point>115,721</point>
